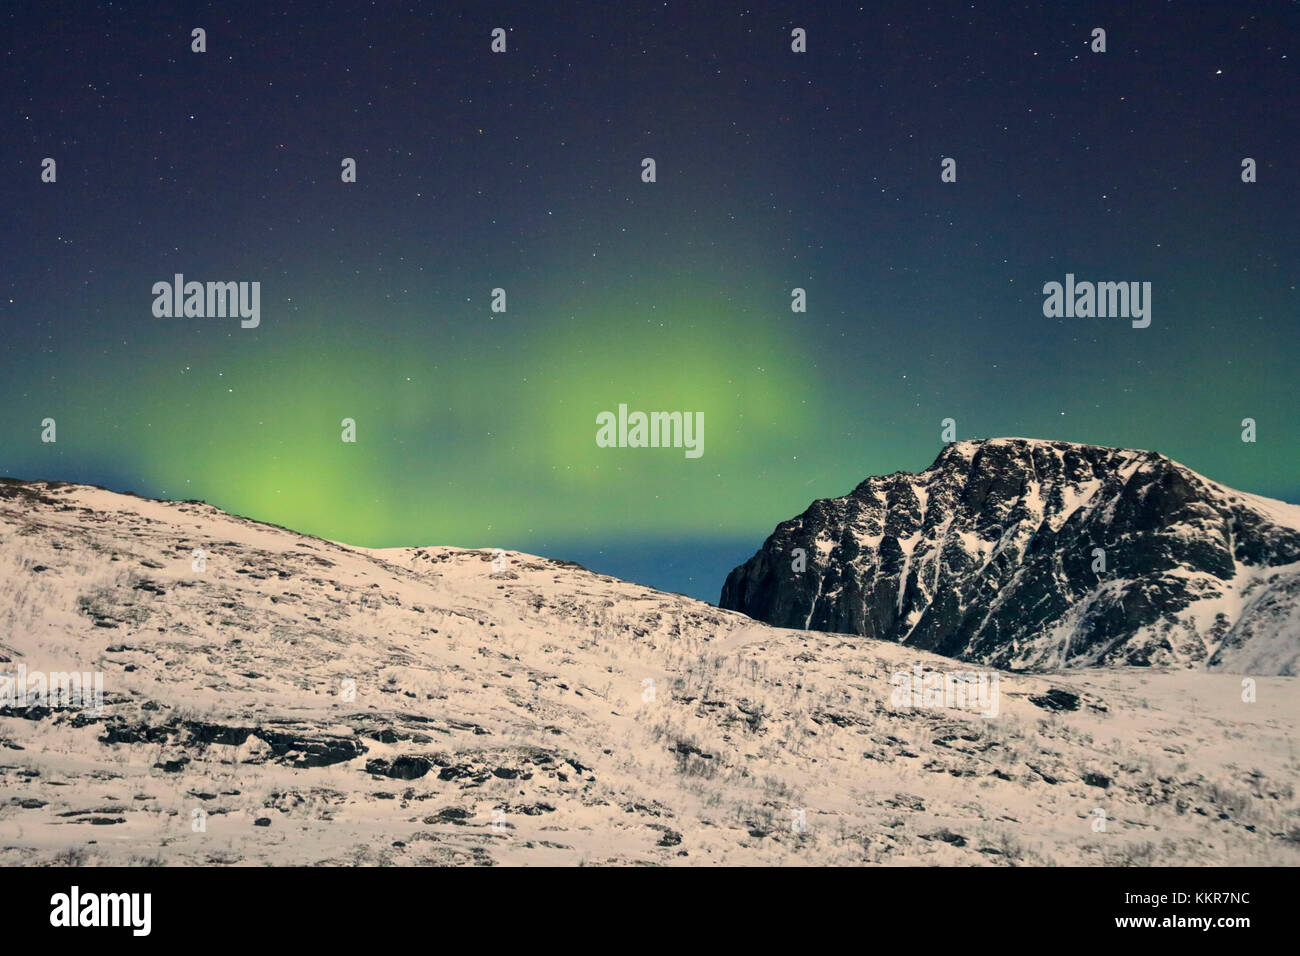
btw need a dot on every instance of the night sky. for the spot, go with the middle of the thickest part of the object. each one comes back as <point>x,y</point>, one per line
<point>523,171</point>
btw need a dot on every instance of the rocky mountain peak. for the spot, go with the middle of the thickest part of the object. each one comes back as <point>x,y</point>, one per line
<point>1030,553</point>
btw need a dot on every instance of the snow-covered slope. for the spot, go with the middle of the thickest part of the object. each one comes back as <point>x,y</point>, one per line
<point>297,701</point>
<point>1035,554</point>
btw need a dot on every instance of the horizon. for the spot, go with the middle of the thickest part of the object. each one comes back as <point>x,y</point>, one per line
<point>653,563</point>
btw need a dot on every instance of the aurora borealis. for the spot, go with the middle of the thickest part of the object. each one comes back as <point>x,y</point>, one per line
<point>522,171</point>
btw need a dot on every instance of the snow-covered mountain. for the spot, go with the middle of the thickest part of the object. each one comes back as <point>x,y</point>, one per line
<point>289,700</point>
<point>1031,554</point>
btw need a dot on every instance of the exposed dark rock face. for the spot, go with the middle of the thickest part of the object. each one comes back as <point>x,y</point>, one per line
<point>400,768</point>
<point>293,746</point>
<point>995,554</point>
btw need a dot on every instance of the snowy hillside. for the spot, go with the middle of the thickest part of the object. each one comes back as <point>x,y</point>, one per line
<point>278,698</point>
